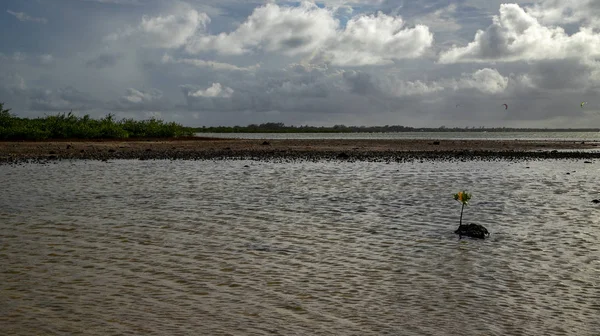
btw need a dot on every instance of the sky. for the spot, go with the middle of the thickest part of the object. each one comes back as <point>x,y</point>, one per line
<point>419,63</point>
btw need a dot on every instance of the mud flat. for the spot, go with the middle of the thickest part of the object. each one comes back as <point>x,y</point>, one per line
<point>198,148</point>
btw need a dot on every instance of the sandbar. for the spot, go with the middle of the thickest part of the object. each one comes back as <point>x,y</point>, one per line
<point>199,148</point>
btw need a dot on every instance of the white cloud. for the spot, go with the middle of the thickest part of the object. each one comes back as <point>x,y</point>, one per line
<point>135,96</point>
<point>249,73</point>
<point>567,11</point>
<point>207,64</point>
<point>291,30</point>
<point>24,17</point>
<point>375,39</point>
<point>515,35</point>
<point>411,88</point>
<point>485,80</point>
<point>314,31</point>
<point>141,100</point>
<point>215,91</point>
<point>168,31</point>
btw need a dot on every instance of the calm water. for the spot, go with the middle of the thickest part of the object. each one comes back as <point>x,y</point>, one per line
<point>216,248</point>
<point>576,136</point>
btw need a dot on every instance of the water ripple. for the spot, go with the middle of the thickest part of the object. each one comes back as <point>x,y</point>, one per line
<point>255,248</point>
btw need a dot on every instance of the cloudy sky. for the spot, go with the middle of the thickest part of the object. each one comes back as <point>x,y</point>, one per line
<point>359,62</point>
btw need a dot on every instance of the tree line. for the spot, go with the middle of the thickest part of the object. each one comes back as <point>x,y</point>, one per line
<point>273,127</point>
<point>70,126</point>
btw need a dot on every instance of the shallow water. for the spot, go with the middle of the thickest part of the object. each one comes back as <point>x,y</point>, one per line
<point>327,248</point>
<point>564,136</point>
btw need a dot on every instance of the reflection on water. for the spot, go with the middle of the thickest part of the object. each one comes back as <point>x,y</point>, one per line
<point>330,248</point>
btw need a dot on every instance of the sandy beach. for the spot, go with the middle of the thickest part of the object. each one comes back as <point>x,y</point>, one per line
<point>364,150</point>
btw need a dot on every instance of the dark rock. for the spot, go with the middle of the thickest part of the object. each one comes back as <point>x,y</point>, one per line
<point>148,149</point>
<point>69,146</point>
<point>436,142</point>
<point>472,230</point>
<point>51,152</point>
<point>587,161</point>
<point>111,150</point>
<point>266,143</point>
<point>596,201</point>
<point>343,155</point>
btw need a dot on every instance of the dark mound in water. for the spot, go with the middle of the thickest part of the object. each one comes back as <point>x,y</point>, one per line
<point>472,230</point>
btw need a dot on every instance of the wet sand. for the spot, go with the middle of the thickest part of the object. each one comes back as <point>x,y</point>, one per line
<point>291,149</point>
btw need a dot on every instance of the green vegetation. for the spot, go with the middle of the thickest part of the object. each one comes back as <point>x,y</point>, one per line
<point>70,126</point>
<point>272,127</point>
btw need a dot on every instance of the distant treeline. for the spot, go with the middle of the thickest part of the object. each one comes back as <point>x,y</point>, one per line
<point>272,127</point>
<point>69,126</point>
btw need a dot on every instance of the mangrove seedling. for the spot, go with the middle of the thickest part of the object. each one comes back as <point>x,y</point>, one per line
<point>470,230</point>
<point>463,197</point>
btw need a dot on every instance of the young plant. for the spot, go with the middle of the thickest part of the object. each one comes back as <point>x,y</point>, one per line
<point>463,197</point>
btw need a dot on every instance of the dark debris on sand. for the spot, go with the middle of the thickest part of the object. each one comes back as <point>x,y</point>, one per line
<point>265,153</point>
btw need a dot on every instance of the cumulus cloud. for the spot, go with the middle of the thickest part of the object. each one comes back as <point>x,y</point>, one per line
<point>215,98</point>
<point>484,80</point>
<point>215,91</point>
<point>567,11</point>
<point>168,31</point>
<point>292,30</point>
<point>24,17</point>
<point>516,35</point>
<point>141,100</point>
<point>314,31</point>
<point>359,61</point>
<point>309,90</point>
<point>375,39</point>
<point>387,86</point>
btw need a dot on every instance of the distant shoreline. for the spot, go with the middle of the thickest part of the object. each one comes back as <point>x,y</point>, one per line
<point>198,148</point>
<point>386,129</point>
